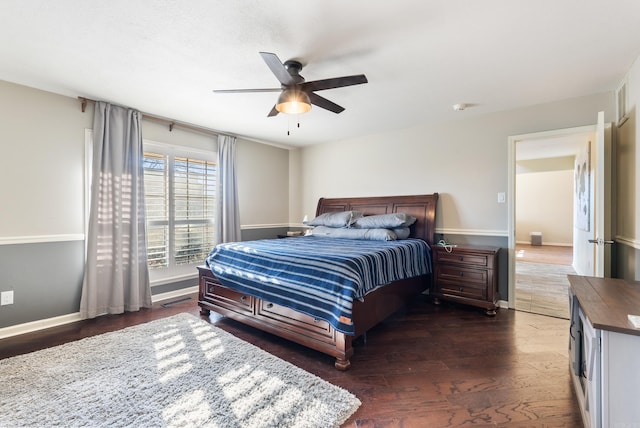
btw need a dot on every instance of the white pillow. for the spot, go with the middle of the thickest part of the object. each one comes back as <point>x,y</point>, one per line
<point>385,221</point>
<point>366,234</point>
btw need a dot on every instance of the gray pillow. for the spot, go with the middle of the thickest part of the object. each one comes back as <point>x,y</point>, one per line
<point>385,221</point>
<point>401,232</point>
<point>366,234</point>
<point>335,219</point>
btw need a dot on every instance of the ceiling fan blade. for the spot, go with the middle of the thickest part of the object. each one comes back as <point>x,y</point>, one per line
<point>277,68</point>
<point>273,112</point>
<point>336,82</point>
<point>240,91</point>
<point>324,103</point>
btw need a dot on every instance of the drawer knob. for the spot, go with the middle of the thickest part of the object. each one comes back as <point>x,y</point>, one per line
<point>461,258</point>
<point>269,305</point>
<point>243,298</point>
<point>461,273</point>
<point>461,289</point>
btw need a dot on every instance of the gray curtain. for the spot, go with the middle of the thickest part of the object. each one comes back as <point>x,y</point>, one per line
<point>116,276</point>
<point>227,213</point>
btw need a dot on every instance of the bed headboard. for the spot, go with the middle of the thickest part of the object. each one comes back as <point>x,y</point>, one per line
<point>422,207</point>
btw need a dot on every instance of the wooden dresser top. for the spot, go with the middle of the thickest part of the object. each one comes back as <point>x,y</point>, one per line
<point>607,301</point>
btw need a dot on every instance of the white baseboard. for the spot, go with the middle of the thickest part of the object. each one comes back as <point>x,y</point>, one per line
<point>549,244</point>
<point>32,326</point>
<point>174,294</point>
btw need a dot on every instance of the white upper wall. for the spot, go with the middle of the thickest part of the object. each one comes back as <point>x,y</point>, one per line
<point>42,167</point>
<point>42,163</point>
<point>465,161</point>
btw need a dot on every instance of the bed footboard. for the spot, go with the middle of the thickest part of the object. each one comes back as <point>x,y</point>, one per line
<point>301,328</point>
<point>272,318</point>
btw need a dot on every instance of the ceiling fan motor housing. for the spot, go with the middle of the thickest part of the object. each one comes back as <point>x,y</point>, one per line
<point>294,67</point>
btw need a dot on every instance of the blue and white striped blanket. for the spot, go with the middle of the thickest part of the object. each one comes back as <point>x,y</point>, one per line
<point>320,277</point>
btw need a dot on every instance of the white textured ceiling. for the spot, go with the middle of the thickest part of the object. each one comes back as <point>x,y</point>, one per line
<point>421,57</point>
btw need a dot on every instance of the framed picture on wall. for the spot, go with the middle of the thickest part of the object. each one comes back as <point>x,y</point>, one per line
<point>581,173</point>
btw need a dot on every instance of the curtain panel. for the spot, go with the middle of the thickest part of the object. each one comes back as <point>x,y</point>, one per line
<point>116,277</point>
<point>227,212</point>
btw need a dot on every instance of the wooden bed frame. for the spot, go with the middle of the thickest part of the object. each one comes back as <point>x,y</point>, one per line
<point>318,334</point>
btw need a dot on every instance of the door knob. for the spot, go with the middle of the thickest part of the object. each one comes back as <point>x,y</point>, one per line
<point>600,241</point>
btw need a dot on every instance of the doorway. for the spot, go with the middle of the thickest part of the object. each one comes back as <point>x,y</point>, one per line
<point>542,218</point>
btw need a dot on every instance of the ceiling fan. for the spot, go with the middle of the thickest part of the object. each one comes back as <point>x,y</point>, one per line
<point>297,95</point>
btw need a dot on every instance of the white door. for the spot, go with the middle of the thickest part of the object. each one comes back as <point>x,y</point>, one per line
<point>601,238</point>
<point>592,231</point>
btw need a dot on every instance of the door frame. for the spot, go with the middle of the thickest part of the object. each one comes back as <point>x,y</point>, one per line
<point>511,189</point>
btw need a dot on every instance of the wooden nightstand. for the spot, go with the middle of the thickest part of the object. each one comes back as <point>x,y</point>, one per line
<point>467,274</point>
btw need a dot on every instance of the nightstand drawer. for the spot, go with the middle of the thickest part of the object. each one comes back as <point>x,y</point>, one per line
<point>463,290</point>
<point>463,258</point>
<point>459,274</point>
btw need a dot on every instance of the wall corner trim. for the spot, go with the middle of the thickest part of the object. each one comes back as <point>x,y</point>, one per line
<point>472,232</point>
<point>36,239</point>
<point>631,242</point>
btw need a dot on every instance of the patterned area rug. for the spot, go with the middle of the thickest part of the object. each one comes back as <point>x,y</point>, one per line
<point>177,371</point>
<point>543,288</point>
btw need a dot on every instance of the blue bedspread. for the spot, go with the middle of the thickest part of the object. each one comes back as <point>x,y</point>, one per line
<point>320,277</point>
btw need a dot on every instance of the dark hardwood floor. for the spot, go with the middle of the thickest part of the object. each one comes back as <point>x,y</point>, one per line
<point>428,366</point>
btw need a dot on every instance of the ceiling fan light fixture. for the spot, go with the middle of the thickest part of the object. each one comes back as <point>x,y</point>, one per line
<point>293,101</point>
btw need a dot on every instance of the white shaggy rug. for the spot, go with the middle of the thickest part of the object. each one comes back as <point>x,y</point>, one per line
<point>177,371</point>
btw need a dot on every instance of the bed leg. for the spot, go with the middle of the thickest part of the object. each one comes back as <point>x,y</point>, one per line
<point>342,364</point>
<point>204,312</point>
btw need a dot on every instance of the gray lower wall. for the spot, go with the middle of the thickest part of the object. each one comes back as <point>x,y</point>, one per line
<point>263,233</point>
<point>627,262</point>
<point>46,279</point>
<point>174,286</point>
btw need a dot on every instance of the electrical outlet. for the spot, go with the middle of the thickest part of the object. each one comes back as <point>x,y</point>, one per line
<point>6,298</point>
<point>502,197</point>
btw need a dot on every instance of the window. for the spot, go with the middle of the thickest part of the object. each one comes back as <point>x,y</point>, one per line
<point>179,201</point>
